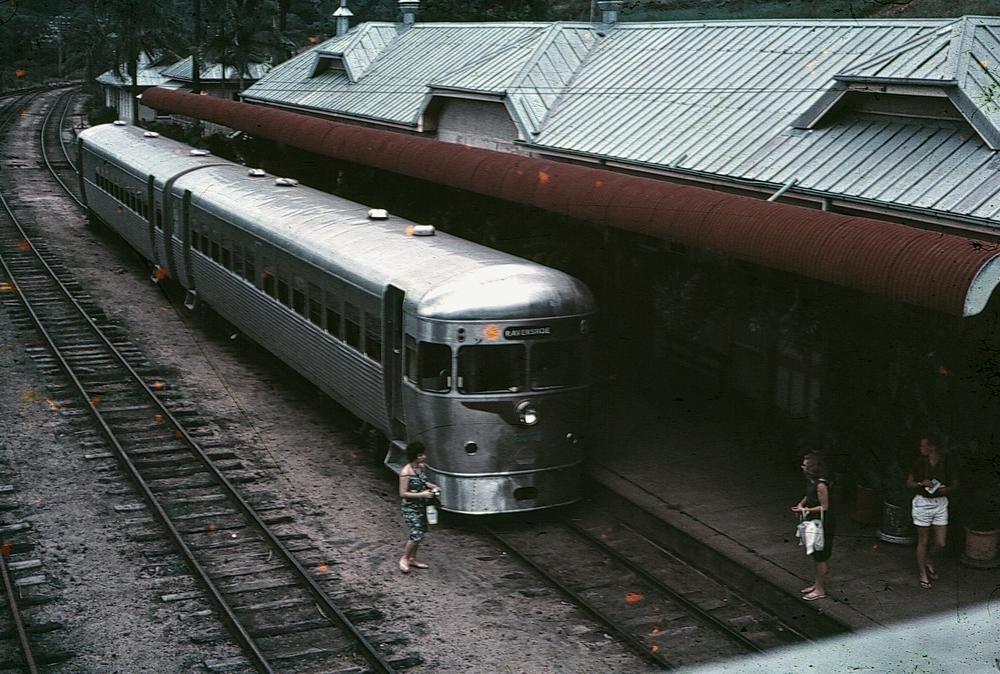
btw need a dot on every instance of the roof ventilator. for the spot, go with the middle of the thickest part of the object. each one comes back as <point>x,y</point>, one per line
<point>286,182</point>
<point>343,16</point>
<point>423,230</point>
<point>120,122</point>
<point>378,214</point>
<point>784,188</point>
<point>150,134</point>
<point>409,9</point>
<point>197,152</point>
<point>257,173</point>
<point>609,10</point>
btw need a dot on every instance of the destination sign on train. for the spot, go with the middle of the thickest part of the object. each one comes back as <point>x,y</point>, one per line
<point>533,332</point>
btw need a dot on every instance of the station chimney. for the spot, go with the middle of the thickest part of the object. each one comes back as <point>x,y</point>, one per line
<point>343,16</point>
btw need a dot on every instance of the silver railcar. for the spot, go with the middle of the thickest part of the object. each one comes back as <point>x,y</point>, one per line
<point>480,355</point>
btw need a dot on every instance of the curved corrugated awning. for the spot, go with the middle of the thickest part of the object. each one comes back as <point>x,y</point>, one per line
<point>939,271</point>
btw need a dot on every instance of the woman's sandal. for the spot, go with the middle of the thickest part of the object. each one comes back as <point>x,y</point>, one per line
<point>932,574</point>
<point>807,590</point>
<point>813,597</point>
<point>418,565</point>
<point>926,584</point>
<point>404,566</point>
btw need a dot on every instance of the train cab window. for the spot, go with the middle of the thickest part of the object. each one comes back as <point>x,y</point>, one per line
<point>373,337</point>
<point>555,364</point>
<point>315,304</point>
<point>333,315</point>
<point>434,367</point>
<point>352,325</point>
<point>496,368</point>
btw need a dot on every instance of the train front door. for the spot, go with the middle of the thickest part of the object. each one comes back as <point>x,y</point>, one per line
<point>393,339</point>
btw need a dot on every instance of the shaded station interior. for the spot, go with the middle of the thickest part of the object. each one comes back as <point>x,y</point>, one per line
<point>816,330</point>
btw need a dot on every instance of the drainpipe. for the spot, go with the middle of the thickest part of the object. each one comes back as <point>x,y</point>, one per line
<point>609,10</point>
<point>343,16</point>
<point>409,9</point>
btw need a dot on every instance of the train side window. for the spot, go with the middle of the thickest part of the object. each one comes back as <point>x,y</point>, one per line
<point>298,300</point>
<point>195,239</point>
<point>352,325</point>
<point>227,257</point>
<point>267,283</point>
<point>204,244</point>
<point>248,267</point>
<point>496,368</point>
<point>434,367</point>
<point>373,337</point>
<point>215,250</point>
<point>315,304</point>
<point>238,259</point>
<point>410,348</point>
<point>556,364</point>
<point>282,290</point>
<point>333,315</point>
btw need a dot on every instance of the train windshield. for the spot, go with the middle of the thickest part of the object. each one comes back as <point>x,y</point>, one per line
<point>557,364</point>
<point>434,367</point>
<point>494,368</point>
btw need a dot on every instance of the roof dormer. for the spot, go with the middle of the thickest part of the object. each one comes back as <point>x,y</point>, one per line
<point>951,75</point>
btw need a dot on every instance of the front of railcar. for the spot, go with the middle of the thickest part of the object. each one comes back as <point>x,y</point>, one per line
<point>497,386</point>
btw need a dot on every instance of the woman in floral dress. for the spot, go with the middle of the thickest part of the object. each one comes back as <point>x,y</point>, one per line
<point>415,492</point>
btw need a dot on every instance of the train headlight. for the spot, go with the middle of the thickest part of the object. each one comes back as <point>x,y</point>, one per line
<point>527,413</point>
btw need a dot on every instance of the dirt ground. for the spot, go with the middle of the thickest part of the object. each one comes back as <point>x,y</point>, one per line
<point>474,610</point>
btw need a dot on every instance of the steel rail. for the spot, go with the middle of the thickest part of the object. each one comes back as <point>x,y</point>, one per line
<point>22,633</point>
<point>656,582</point>
<point>64,99</point>
<point>317,593</point>
<point>638,646</point>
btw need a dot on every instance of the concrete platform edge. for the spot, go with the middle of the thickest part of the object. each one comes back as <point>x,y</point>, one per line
<point>755,577</point>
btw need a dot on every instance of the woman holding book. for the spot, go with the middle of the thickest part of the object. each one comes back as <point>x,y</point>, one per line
<point>931,478</point>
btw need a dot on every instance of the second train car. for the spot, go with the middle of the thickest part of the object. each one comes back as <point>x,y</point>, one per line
<point>482,356</point>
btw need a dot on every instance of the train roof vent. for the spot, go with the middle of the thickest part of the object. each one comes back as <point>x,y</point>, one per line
<point>120,122</point>
<point>198,152</point>
<point>151,134</point>
<point>423,230</point>
<point>256,173</point>
<point>378,214</point>
<point>286,182</point>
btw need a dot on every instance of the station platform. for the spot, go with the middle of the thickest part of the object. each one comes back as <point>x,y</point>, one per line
<point>708,481</point>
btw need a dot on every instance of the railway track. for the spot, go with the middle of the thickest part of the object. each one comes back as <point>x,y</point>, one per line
<point>666,610</point>
<point>276,608</point>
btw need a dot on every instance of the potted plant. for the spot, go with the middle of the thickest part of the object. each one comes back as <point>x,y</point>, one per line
<point>980,487</point>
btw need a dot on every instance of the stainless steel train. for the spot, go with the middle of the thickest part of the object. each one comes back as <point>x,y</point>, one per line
<point>482,356</point>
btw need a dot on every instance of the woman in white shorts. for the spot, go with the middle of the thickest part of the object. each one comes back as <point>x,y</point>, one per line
<point>932,478</point>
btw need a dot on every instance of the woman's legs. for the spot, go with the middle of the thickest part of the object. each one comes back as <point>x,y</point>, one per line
<point>923,534</point>
<point>817,589</point>
<point>934,551</point>
<point>409,552</point>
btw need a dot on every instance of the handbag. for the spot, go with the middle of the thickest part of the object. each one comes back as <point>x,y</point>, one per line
<point>810,533</point>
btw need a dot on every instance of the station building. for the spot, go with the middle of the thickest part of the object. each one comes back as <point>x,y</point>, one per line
<point>799,214</point>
